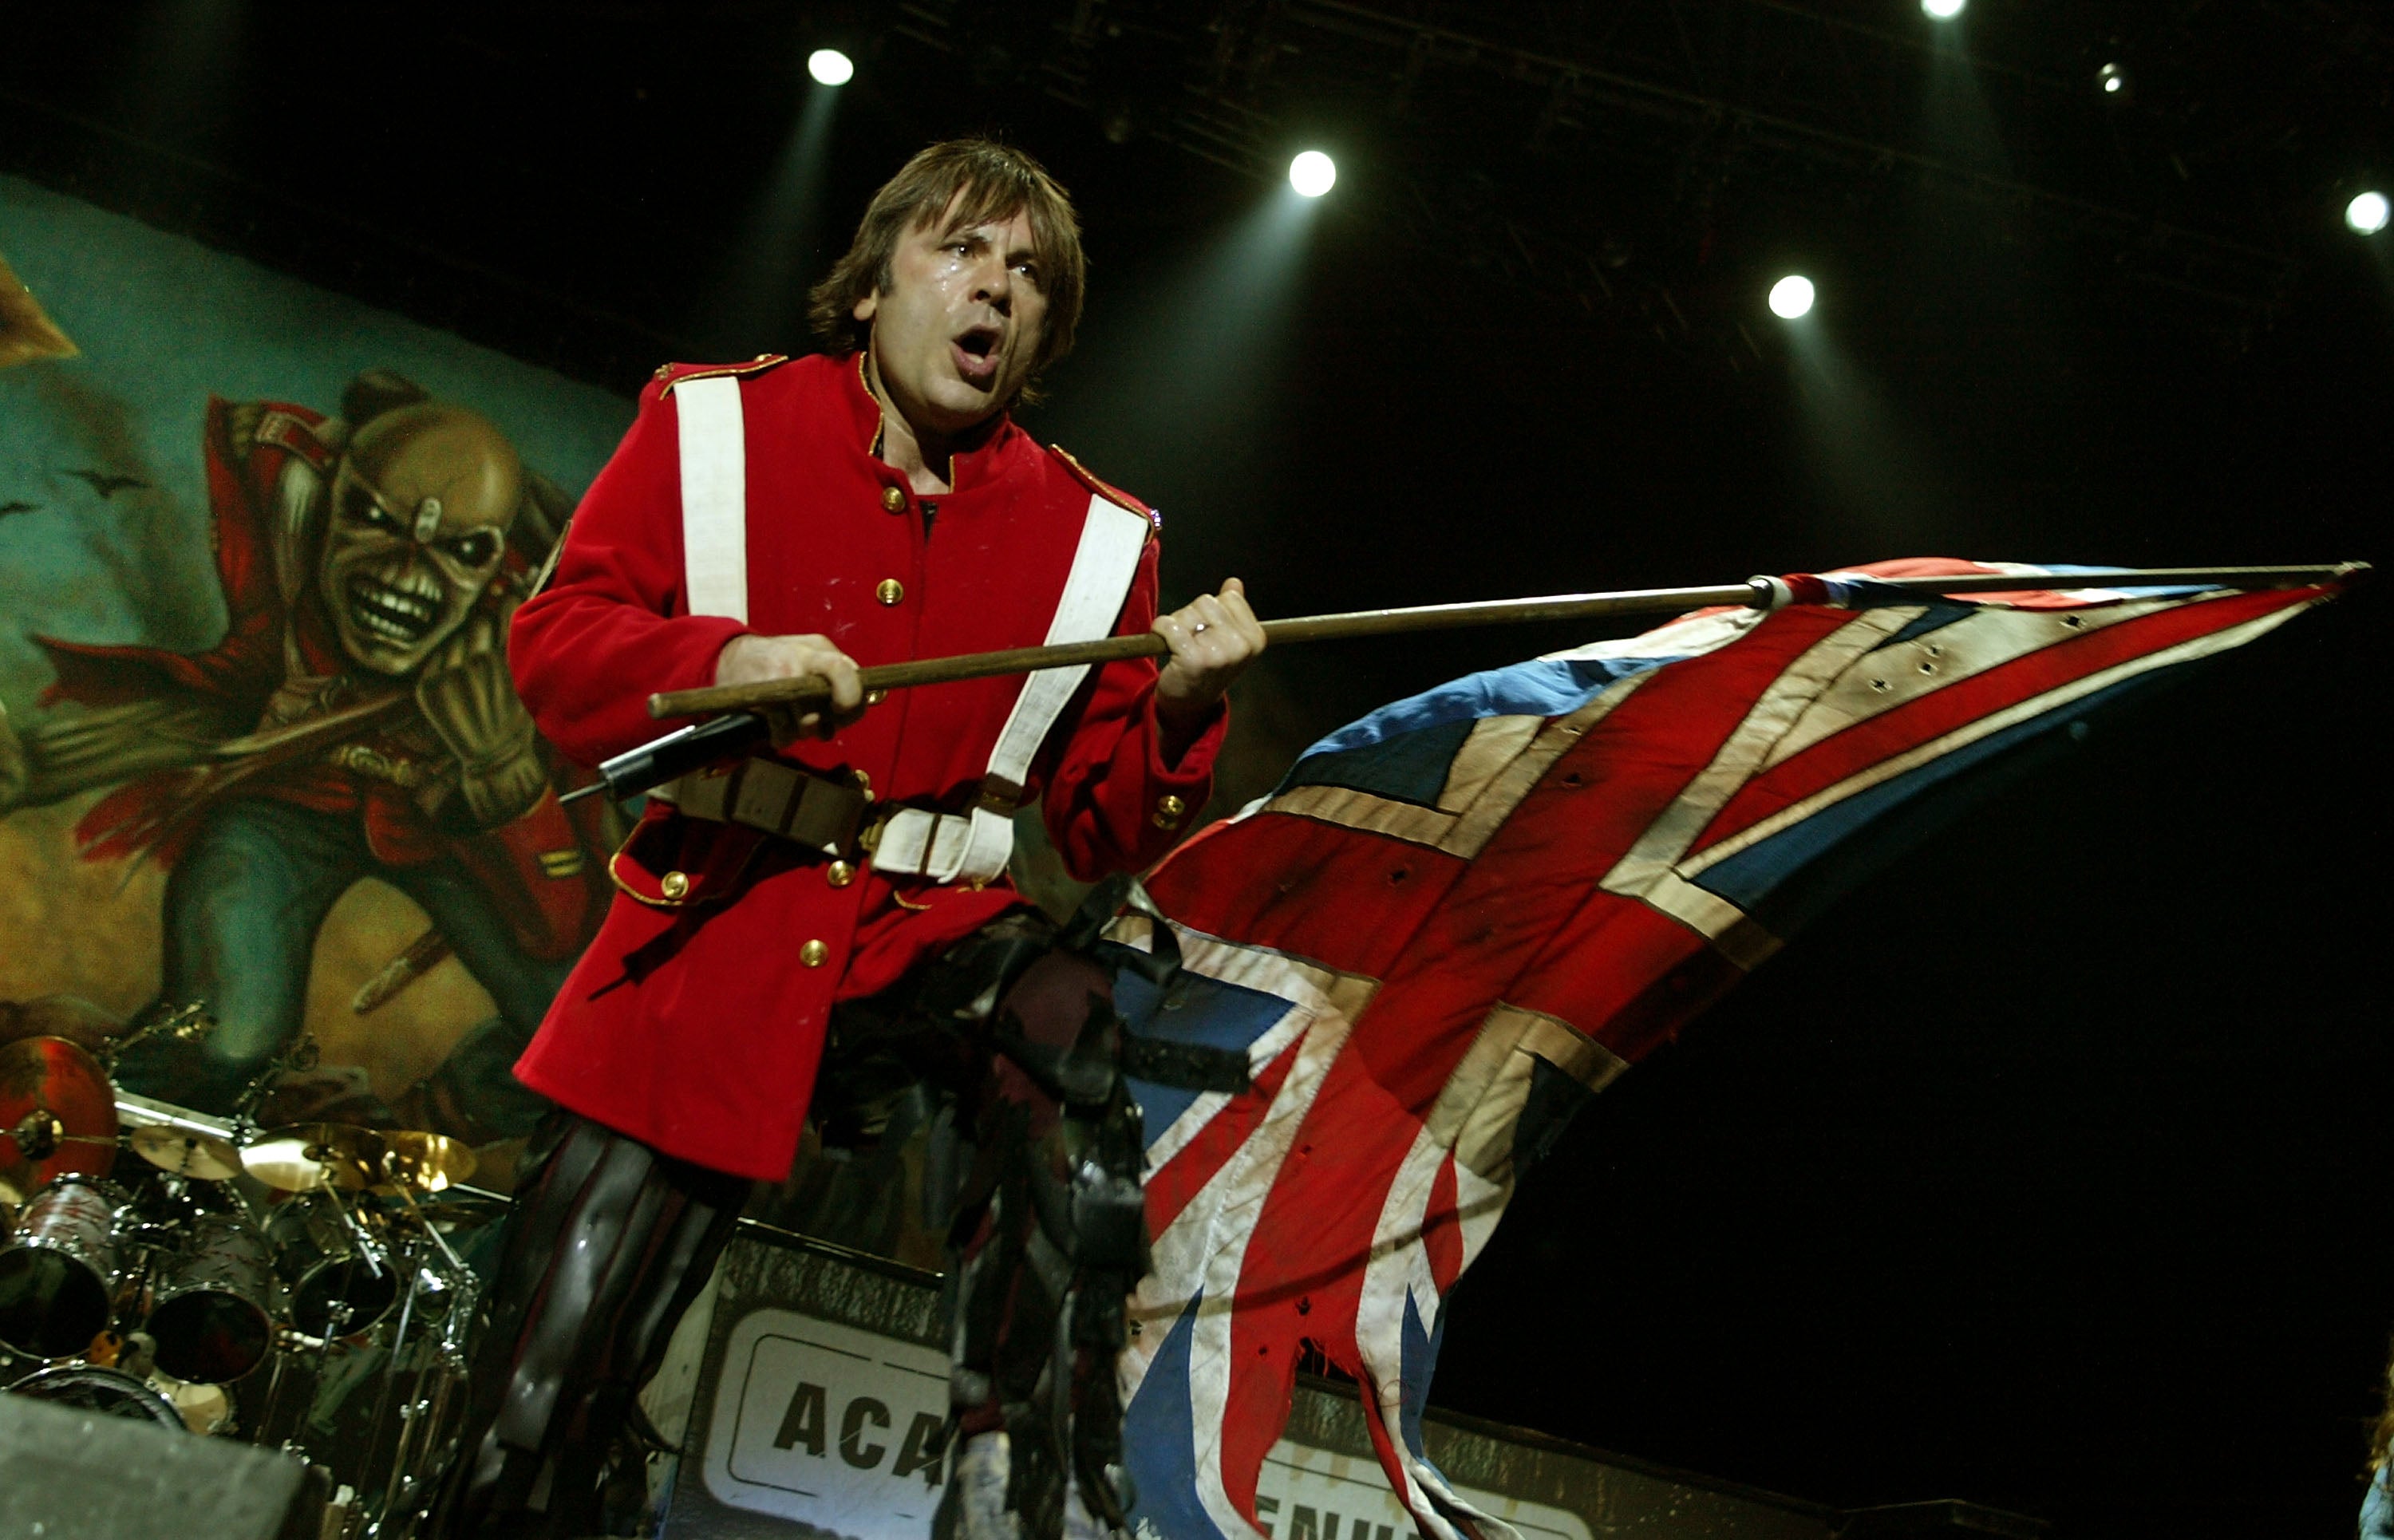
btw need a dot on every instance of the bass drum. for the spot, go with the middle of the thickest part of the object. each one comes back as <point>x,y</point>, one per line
<point>88,1387</point>
<point>343,1281</point>
<point>57,1276</point>
<point>212,1309</point>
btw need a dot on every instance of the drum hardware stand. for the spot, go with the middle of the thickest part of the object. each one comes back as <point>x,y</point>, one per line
<point>300,1053</point>
<point>185,1023</point>
<point>419,1415</point>
<point>382,1403</point>
<point>40,1132</point>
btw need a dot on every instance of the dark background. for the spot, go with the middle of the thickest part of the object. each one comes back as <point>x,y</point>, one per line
<point>2049,1171</point>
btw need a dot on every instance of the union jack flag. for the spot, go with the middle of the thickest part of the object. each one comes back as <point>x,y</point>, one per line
<point>1461,914</point>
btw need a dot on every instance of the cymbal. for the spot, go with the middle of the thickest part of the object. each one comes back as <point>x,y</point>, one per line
<point>425,1162</point>
<point>306,1156</point>
<point>57,1114</point>
<point>186,1155</point>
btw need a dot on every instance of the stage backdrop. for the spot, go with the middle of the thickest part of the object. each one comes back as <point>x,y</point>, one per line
<point>258,544</point>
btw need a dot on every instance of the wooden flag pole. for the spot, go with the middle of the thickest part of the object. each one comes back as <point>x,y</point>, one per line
<point>1757,593</point>
<point>739,727</point>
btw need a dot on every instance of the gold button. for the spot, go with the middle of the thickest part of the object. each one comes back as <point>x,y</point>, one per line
<point>1169,812</point>
<point>874,697</point>
<point>889,590</point>
<point>840,874</point>
<point>676,885</point>
<point>892,499</point>
<point>663,370</point>
<point>864,784</point>
<point>813,954</point>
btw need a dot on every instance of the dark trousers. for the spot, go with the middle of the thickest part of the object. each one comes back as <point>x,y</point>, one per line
<point>606,1245</point>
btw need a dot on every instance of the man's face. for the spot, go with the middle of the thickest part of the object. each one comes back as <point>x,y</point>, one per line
<point>956,332</point>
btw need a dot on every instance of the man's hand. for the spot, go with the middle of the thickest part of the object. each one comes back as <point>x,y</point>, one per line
<point>752,659</point>
<point>466,695</point>
<point>1212,640</point>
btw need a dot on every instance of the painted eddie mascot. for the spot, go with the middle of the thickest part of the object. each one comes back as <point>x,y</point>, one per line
<point>357,720</point>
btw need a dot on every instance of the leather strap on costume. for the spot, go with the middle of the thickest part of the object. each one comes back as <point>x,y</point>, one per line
<point>817,811</point>
<point>974,847</point>
<point>713,496</point>
<point>1037,1177</point>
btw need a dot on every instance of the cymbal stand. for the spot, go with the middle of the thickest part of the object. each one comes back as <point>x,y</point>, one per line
<point>366,1243</point>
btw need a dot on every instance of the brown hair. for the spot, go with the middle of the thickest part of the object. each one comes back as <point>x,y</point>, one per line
<point>984,180</point>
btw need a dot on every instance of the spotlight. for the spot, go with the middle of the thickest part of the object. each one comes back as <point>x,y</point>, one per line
<point>830,67</point>
<point>1942,11</point>
<point>2367,213</point>
<point>2112,78</point>
<point>1312,174</point>
<point>1790,296</point>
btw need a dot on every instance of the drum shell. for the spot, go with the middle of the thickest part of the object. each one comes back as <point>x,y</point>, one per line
<point>59,1272</point>
<point>323,1262</point>
<point>212,1309</point>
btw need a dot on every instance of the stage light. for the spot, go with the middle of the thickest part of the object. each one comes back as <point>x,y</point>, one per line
<point>2114,80</point>
<point>2367,213</point>
<point>1941,10</point>
<point>1790,296</point>
<point>830,67</point>
<point>1312,174</point>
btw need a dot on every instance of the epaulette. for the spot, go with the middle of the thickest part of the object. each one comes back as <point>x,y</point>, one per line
<point>670,375</point>
<point>1106,490</point>
<point>294,435</point>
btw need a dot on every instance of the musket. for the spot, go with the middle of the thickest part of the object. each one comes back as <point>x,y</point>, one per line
<point>740,726</point>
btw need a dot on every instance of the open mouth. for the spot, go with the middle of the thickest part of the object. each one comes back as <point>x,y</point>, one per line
<point>402,615</point>
<point>975,353</point>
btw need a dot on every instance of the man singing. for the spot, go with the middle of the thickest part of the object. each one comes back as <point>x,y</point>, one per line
<point>839,902</point>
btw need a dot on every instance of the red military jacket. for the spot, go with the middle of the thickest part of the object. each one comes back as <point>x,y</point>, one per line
<point>696,1019</point>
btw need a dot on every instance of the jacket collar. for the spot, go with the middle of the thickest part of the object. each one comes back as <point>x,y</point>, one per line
<point>967,468</point>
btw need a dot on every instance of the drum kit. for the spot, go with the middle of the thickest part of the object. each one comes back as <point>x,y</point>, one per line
<point>293,1286</point>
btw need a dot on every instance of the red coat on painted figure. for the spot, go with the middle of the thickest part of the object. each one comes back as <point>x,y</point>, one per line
<point>695,1025</point>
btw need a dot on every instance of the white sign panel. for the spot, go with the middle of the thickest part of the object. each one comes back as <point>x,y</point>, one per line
<point>1309,1494</point>
<point>837,1427</point>
<point>840,1429</point>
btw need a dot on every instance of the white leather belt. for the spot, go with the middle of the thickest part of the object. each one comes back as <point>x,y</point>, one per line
<point>970,847</point>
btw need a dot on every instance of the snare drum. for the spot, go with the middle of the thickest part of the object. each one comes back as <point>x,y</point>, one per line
<point>344,1274</point>
<point>211,1309</point>
<point>88,1387</point>
<point>57,1276</point>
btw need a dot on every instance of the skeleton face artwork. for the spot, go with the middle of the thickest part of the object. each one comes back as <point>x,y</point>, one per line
<point>420,508</point>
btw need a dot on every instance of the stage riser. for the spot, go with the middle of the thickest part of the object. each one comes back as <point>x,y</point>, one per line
<point>809,1383</point>
<point>70,1475</point>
